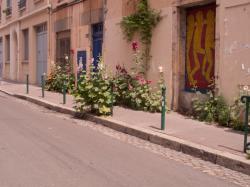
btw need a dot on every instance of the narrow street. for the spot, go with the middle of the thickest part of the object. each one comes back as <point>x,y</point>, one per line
<point>40,148</point>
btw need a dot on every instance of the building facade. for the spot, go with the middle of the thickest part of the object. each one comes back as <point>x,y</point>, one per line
<point>197,42</point>
<point>24,39</point>
<point>36,34</point>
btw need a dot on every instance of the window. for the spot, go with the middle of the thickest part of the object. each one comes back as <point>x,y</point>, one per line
<point>62,46</point>
<point>8,3</point>
<point>21,4</point>
<point>26,44</point>
<point>7,45</point>
<point>8,9</point>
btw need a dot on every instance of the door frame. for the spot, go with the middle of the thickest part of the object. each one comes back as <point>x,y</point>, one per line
<point>41,30</point>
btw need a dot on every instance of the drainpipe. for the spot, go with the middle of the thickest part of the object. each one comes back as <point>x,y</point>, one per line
<point>18,60</point>
<point>49,34</point>
<point>90,33</point>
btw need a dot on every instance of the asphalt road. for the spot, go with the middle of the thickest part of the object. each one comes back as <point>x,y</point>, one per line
<point>37,149</point>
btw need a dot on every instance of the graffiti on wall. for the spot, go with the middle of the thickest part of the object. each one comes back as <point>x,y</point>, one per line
<point>200,47</point>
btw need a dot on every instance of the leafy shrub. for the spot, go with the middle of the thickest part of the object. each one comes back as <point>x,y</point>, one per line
<point>215,109</point>
<point>135,91</point>
<point>60,75</point>
<point>237,111</point>
<point>212,109</point>
<point>94,92</point>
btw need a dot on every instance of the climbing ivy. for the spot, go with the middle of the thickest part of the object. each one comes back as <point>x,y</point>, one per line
<point>143,21</point>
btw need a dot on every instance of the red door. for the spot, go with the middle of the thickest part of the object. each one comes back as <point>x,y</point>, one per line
<point>200,47</point>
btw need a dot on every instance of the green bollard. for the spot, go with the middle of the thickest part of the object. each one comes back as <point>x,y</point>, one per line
<point>246,100</point>
<point>64,93</point>
<point>112,98</point>
<point>27,84</point>
<point>163,109</point>
<point>42,79</point>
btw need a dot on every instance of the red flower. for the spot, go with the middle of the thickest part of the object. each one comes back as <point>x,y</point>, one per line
<point>121,70</point>
<point>72,51</point>
<point>149,82</point>
<point>134,46</point>
<point>118,67</point>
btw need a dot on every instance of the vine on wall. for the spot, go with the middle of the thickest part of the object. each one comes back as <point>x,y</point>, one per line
<point>143,21</point>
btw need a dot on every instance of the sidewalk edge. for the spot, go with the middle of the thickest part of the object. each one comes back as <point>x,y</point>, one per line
<point>224,159</point>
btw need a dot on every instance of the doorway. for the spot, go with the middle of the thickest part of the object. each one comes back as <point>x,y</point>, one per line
<point>200,48</point>
<point>97,38</point>
<point>41,48</point>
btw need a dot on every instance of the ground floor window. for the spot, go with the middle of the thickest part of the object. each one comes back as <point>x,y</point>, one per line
<point>7,47</point>
<point>62,46</point>
<point>26,44</point>
<point>200,47</point>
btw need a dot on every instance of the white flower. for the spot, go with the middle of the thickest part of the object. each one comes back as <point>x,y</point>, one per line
<point>245,88</point>
<point>80,66</point>
<point>160,69</point>
<point>242,66</point>
<point>66,57</point>
<point>101,66</point>
<point>92,60</point>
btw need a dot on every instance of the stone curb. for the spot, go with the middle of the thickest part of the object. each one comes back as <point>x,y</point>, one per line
<point>224,159</point>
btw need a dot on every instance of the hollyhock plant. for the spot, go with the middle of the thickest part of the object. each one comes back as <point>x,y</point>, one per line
<point>134,46</point>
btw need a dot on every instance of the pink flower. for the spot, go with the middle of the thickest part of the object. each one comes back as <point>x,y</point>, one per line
<point>134,46</point>
<point>142,81</point>
<point>149,82</point>
<point>130,87</point>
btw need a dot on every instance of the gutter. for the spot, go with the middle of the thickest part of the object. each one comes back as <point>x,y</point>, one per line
<point>27,16</point>
<point>66,4</point>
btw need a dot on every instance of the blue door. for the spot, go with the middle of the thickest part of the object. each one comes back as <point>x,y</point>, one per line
<point>97,37</point>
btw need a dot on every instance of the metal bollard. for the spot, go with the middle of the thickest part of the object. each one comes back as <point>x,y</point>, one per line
<point>112,98</point>
<point>64,93</point>
<point>163,109</point>
<point>27,84</point>
<point>42,79</point>
<point>246,100</point>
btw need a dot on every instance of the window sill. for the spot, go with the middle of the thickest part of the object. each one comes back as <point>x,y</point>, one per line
<point>21,9</point>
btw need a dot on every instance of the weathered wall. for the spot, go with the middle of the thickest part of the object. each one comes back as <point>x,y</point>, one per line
<point>32,15</point>
<point>235,46</point>
<point>81,16</point>
<point>168,45</point>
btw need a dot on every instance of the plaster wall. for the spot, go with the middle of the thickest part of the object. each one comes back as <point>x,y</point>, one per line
<point>168,45</point>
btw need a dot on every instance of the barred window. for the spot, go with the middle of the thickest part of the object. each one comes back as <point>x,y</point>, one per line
<point>26,44</point>
<point>7,45</point>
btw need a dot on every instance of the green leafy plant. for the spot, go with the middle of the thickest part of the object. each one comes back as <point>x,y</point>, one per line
<point>143,21</point>
<point>61,75</point>
<point>135,92</point>
<point>214,109</point>
<point>237,110</point>
<point>211,109</point>
<point>94,91</point>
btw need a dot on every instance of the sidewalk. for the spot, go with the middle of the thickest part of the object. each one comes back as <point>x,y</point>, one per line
<point>221,139</point>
